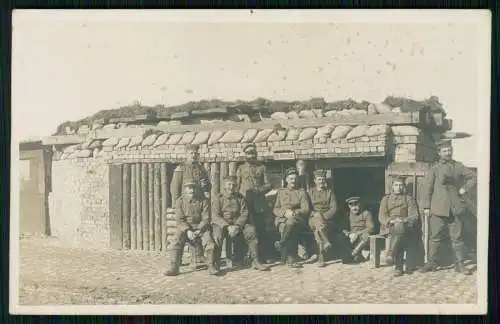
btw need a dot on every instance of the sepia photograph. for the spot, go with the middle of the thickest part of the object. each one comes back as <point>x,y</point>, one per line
<point>250,162</point>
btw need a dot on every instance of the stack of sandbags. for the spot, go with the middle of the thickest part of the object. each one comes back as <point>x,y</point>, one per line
<point>263,135</point>
<point>279,116</point>
<point>149,140</point>
<point>110,143</point>
<point>249,136</point>
<point>324,132</point>
<point>357,132</point>
<point>307,114</point>
<point>293,134</point>
<point>174,139</point>
<point>379,108</point>
<point>277,136</point>
<point>201,138</point>
<point>232,136</point>
<point>340,132</point>
<point>171,224</point>
<point>307,134</point>
<point>377,130</point>
<point>161,140</point>
<point>215,137</point>
<point>135,142</point>
<point>187,138</point>
<point>122,143</point>
<point>293,115</point>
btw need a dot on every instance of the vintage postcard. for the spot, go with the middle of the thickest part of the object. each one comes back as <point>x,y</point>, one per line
<point>250,162</point>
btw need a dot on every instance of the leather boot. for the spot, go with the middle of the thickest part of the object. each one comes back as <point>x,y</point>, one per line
<point>255,258</point>
<point>460,268</point>
<point>321,261</point>
<point>429,267</point>
<point>211,259</point>
<point>175,262</point>
<point>398,271</point>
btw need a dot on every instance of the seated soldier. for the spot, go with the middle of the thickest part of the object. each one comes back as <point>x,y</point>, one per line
<point>361,226</point>
<point>398,217</point>
<point>323,208</point>
<point>230,219</point>
<point>291,209</point>
<point>193,218</point>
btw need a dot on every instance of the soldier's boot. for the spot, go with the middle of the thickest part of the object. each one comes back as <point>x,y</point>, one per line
<point>356,252</point>
<point>291,258</point>
<point>430,266</point>
<point>199,257</point>
<point>460,268</point>
<point>398,271</point>
<point>325,242</point>
<point>175,262</point>
<point>254,253</point>
<point>211,259</point>
<point>321,261</point>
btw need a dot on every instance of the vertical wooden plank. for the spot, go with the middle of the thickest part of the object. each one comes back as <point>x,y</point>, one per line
<point>206,165</point>
<point>115,206</point>
<point>157,206</point>
<point>223,170</point>
<point>232,168</point>
<point>164,192</point>
<point>151,222</point>
<point>126,206</point>
<point>133,210</point>
<point>145,209</point>
<point>215,179</point>
<point>138,206</point>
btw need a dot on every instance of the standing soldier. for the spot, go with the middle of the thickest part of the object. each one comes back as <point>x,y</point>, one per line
<point>324,207</point>
<point>398,217</point>
<point>291,210</point>
<point>444,185</point>
<point>361,226</point>
<point>193,225</point>
<point>230,220</point>
<point>253,184</point>
<point>191,169</point>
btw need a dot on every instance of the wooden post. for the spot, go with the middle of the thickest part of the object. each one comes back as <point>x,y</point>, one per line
<point>223,171</point>
<point>206,165</point>
<point>426,238</point>
<point>145,209</point>
<point>215,179</point>
<point>151,215</point>
<point>375,241</point>
<point>138,205</point>
<point>126,206</point>
<point>133,204</point>
<point>115,206</point>
<point>163,213</point>
<point>157,206</point>
<point>232,168</point>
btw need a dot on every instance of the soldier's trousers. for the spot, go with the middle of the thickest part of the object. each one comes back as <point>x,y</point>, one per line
<point>248,232</point>
<point>319,228</point>
<point>180,239</point>
<point>442,226</point>
<point>362,242</point>
<point>289,229</point>
<point>402,240</point>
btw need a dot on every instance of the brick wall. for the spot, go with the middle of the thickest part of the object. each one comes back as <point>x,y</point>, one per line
<point>78,203</point>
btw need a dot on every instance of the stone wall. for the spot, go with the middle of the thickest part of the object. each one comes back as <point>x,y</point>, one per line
<point>78,203</point>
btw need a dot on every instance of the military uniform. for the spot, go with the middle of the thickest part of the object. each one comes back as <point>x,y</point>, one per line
<point>193,171</point>
<point>296,200</point>
<point>192,214</point>
<point>361,226</point>
<point>253,184</point>
<point>231,209</point>
<point>440,194</point>
<point>398,216</point>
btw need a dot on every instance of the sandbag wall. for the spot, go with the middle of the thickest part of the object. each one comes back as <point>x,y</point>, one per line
<point>141,213</point>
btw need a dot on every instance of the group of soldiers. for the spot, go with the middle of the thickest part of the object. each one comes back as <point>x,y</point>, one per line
<point>241,212</point>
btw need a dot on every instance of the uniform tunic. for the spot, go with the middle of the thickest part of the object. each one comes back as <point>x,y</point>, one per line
<point>394,207</point>
<point>193,171</point>
<point>253,184</point>
<point>362,223</point>
<point>293,199</point>
<point>324,207</point>
<point>192,214</point>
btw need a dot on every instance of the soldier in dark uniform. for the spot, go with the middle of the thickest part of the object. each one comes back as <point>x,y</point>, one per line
<point>191,169</point>
<point>361,226</point>
<point>193,224</point>
<point>399,217</point>
<point>323,208</point>
<point>443,189</point>
<point>291,210</point>
<point>253,184</point>
<point>230,220</point>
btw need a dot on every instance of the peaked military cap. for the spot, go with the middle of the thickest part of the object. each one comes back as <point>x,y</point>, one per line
<point>230,178</point>
<point>319,173</point>
<point>352,200</point>
<point>443,143</point>
<point>250,148</point>
<point>192,147</point>
<point>189,182</point>
<point>291,171</point>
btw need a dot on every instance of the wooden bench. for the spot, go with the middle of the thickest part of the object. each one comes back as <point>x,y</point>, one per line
<point>377,244</point>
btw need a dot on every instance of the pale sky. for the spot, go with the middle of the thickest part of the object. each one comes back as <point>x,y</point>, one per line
<point>67,69</point>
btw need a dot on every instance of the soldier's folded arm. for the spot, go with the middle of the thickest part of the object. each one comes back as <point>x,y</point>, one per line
<point>383,213</point>
<point>242,220</point>
<point>279,211</point>
<point>304,209</point>
<point>205,215</point>
<point>413,214</point>
<point>333,208</point>
<point>217,218</point>
<point>182,223</point>
<point>427,188</point>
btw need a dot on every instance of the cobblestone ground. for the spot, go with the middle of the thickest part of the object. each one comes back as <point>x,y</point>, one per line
<point>53,274</point>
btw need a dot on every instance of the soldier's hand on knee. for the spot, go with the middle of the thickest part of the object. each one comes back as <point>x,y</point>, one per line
<point>197,234</point>
<point>190,235</point>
